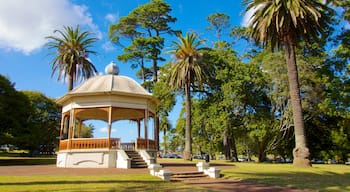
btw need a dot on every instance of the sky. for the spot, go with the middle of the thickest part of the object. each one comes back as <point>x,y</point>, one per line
<point>25,24</point>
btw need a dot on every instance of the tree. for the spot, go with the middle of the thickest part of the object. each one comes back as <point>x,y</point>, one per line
<point>184,72</point>
<point>144,27</point>
<point>218,22</point>
<point>14,111</point>
<point>86,130</point>
<point>71,49</point>
<point>284,23</point>
<point>43,123</point>
<point>167,101</point>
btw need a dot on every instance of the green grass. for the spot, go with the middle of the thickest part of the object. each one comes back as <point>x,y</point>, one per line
<point>334,178</point>
<point>16,158</point>
<point>110,183</point>
<point>319,177</point>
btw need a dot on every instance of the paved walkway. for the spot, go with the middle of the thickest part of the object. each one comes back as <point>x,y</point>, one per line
<point>223,185</point>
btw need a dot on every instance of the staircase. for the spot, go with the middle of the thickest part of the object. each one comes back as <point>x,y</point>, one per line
<point>136,160</point>
<point>182,176</point>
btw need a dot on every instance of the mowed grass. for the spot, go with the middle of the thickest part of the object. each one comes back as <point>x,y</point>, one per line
<point>7,159</point>
<point>334,178</point>
<point>319,177</point>
<point>110,183</point>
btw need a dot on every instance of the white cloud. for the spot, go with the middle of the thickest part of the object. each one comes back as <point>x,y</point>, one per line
<point>105,130</point>
<point>108,46</point>
<point>248,16</point>
<point>111,17</point>
<point>24,25</point>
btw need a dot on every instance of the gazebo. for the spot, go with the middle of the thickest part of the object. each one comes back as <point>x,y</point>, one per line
<point>109,98</point>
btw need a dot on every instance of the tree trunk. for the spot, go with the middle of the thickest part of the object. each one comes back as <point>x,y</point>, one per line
<point>300,152</point>
<point>70,82</point>
<point>156,124</point>
<point>261,153</point>
<point>143,71</point>
<point>165,138</point>
<point>156,131</point>
<point>188,146</point>
<point>234,149</point>
<point>227,152</point>
<point>71,78</point>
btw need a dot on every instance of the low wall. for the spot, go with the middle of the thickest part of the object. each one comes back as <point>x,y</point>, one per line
<point>87,158</point>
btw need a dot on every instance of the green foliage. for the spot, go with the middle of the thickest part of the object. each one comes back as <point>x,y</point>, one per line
<point>272,21</point>
<point>28,119</point>
<point>14,111</point>
<point>166,98</point>
<point>86,130</point>
<point>142,29</point>
<point>43,123</point>
<point>218,22</point>
<point>71,49</point>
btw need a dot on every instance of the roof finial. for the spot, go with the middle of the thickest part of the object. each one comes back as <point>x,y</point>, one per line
<point>112,69</point>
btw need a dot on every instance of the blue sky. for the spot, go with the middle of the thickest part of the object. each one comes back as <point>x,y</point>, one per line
<point>25,24</point>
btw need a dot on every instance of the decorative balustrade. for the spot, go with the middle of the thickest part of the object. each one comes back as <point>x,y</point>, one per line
<point>145,144</point>
<point>89,143</point>
<point>127,146</point>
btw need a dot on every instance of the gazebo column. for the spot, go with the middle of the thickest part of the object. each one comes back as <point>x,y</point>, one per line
<point>146,127</point>
<point>71,128</point>
<point>79,127</point>
<point>109,125</point>
<point>138,128</point>
<point>62,126</point>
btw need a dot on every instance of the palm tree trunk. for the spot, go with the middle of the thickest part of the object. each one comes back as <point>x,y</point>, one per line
<point>70,82</point>
<point>71,77</point>
<point>188,146</point>
<point>300,152</point>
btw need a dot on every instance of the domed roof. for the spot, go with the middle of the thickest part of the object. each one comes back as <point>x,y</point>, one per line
<point>110,83</point>
<point>97,91</point>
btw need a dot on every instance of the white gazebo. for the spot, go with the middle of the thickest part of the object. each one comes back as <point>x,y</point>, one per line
<point>108,98</point>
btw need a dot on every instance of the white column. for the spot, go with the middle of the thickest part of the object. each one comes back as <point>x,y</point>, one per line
<point>109,126</point>
<point>146,123</point>
<point>71,124</point>
<point>138,128</point>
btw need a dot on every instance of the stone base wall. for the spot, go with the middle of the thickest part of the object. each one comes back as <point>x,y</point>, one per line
<point>87,159</point>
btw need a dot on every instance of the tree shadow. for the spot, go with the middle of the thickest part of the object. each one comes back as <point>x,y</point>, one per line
<point>325,181</point>
<point>98,185</point>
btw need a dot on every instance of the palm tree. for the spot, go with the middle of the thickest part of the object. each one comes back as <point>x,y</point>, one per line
<point>186,70</point>
<point>282,23</point>
<point>72,48</point>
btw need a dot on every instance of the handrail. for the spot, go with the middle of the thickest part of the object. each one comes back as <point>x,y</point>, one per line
<point>89,143</point>
<point>145,144</point>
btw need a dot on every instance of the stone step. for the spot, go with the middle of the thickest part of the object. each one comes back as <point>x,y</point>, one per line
<point>136,160</point>
<point>181,176</point>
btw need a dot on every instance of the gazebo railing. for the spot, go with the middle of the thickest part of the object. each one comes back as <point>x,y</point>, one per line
<point>102,143</point>
<point>145,144</point>
<point>89,143</point>
<point>127,146</point>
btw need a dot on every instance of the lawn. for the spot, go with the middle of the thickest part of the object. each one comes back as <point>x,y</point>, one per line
<point>320,177</point>
<point>110,183</point>
<point>334,178</point>
<point>7,159</point>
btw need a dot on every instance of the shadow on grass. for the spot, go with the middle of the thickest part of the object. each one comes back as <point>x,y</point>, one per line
<point>101,185</point>
<point>325,181</point>
<point>27,161</point>
<point>78,182</point>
